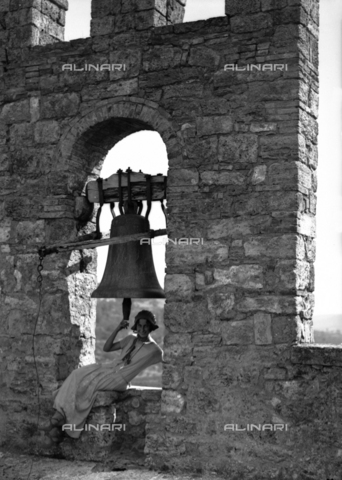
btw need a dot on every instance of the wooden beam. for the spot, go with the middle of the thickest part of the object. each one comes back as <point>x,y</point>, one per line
<point>138,188</point>
<point>68,247</point>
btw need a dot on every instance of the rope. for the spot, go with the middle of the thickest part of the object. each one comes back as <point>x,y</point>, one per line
<point>40,282</point>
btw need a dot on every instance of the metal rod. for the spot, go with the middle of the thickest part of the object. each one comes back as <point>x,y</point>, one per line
<point>67,247</point>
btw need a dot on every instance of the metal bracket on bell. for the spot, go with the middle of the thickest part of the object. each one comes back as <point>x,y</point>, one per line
<point>130,206</point>
<point>112,209</point>
<point>149,195</point>
<point>162,201</point>
<point>98,215</point>
<point>140,206</point>
<point>119,172</point>
<point>163,207</point>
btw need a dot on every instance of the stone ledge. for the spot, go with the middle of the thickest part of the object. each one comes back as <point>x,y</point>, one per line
<point>327,355</point>
<point>17,467</point>
<point>105,398</point>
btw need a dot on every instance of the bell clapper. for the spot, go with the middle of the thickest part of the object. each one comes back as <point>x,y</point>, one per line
<point>126,308</point>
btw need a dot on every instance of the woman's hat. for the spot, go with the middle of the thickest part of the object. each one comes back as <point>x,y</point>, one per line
<point>145,315</point>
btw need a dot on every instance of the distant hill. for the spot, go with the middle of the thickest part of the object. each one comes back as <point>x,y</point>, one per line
<point>328,337</point>
<point>328,322</point>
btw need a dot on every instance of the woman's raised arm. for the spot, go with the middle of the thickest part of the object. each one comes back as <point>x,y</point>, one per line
<point>109,346</point>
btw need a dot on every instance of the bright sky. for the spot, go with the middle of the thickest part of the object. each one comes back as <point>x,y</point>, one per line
<point>148,151</point>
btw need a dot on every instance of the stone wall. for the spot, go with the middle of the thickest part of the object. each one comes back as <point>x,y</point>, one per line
<point>128,412</point>
<point>242,150</point>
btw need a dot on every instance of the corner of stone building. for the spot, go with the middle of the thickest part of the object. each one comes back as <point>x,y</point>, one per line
<point>24,24</point>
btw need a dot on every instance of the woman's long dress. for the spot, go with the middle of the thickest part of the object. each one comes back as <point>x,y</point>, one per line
<point>75,398</point>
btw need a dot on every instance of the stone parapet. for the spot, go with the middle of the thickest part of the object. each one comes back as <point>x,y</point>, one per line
<point>116,427</point>
<point>122,16</point>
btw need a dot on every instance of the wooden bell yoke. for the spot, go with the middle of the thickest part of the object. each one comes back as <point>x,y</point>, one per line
<point>129,189</point>
<point>129,272</point>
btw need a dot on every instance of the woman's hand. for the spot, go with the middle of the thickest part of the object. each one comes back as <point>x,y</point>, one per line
<point>123,324</point>
<point>109,346</point>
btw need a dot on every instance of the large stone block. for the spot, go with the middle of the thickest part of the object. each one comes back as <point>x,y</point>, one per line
<point>290,175</point>
<point>175,11</point>
<point>221,304</point>
<point>172,402</point>
<point>16,112</point>
<point>280,246</point>
<point>187,318</point>
<point>161,58</point>
<point>22,133</point>
<point>238,333</point>
<point>5,230</point>
<point>172,376</point>
<point>286,329</point>
<point>237,227</point>
<point>294,275</point>
<point>102,26</point>
<point>186,91</point>
<point>176,347</point>
<point>263,328</point>
<point>102,8</point>
<point>159,5</point>
<point>223,178</point>
<point>60,105</point>
<point>235,7</point>
<point>30,232</point>
<point>130,62</point>
<point>47,131</point>
<point>204,57</point>
<point>178,177</point>
<point>201,401</point>
<point>53,11</point>
<point>271,303</point>
<point>214,125</point>
<point>179,287</point>
<point>267,203</point>
<point>251,23</point>
<point>238,148</point>
<point>279,147</point>
<point>244,276</point>
<point>259,174</point>
<point>307,225</point>
<point>196,254</point>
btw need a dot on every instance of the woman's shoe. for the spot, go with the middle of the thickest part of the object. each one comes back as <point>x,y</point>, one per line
<point>56,421</point>
<point>56,435</point>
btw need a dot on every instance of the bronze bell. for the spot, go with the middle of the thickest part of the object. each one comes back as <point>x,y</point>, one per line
<point>129,271</point>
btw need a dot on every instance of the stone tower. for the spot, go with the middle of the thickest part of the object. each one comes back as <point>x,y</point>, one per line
<point>235,100</point>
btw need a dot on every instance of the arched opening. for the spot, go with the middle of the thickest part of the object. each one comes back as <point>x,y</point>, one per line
<point>143,151</point>
<point>80,157</point>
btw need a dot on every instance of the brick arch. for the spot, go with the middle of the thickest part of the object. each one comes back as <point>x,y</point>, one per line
<point>93,133</point>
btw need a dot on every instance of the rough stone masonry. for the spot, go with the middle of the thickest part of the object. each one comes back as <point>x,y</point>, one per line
<point>242,150</point>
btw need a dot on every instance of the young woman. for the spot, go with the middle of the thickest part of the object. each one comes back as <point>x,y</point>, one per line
<point>75,398</point>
